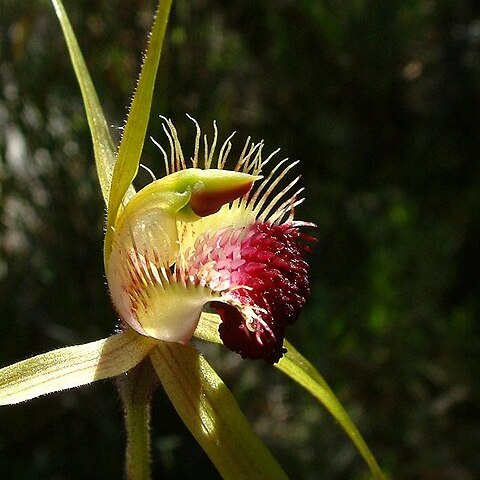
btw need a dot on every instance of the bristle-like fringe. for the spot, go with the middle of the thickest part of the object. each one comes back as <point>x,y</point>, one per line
<point>264,202</point>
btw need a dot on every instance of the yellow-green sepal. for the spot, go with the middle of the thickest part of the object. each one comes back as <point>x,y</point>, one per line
<point>71,367</point>
<point>212,414</point>
<point>133,138</point>
<point>299,369</point>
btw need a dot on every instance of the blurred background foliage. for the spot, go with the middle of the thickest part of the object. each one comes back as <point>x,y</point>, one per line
<point>381,102</point>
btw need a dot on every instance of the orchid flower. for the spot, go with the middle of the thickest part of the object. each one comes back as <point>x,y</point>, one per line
<point>202,234</point>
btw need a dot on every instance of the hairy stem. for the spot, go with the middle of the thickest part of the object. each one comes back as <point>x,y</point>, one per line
<point>136,388</point>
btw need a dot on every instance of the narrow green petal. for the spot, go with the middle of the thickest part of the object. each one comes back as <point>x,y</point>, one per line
<point>302,371</point>
<point>102,141</point>
<point>72,366</point>
<point>133,137</point>
<point>211,413</point>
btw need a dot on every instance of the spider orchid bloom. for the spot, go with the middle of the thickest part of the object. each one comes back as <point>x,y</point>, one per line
<point>204,235</point>
<point>200,235</point>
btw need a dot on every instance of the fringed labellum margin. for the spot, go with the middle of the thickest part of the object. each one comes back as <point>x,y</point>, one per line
<point>204,235</point>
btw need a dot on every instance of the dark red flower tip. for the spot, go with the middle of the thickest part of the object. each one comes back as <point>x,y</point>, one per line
<point>273,281</point>
<point>205,202</point>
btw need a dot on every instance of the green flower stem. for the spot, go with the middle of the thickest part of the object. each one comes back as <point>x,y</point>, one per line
<point>136,388</point>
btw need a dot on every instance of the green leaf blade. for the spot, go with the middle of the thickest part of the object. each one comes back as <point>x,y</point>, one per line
<point>71,367</point>
<point>212,414</point>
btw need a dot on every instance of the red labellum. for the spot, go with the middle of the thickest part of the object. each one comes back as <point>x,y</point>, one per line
<point>272,286</point>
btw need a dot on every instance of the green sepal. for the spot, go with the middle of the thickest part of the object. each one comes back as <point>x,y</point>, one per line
<point>212,414</point>
<point>299,369</point>
<point>71,367</point>
<point>133,138</point>
<point>103,147</point>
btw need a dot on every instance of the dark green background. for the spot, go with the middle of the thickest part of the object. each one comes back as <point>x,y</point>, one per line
<point>380,101</point>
